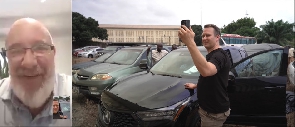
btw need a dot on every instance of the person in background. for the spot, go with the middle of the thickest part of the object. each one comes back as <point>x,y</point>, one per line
<point>57,114</point>
<point>290,91</point>
<point>26,95</point>
<point>158,54</point>
<point>174,47</point>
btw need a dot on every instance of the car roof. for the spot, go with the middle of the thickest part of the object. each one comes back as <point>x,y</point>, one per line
<point>254,48</point>
<point>116,46</point>
<point>135,47</point>
<point>249,48</point>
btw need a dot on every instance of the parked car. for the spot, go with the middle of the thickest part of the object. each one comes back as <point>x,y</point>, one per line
<point>83,49</point>
<point>110,49</point>
<point>91,53</point>
<point>93,80</point>
<point>158,97</point>
<point>86,48</point>
<point>98,60</point>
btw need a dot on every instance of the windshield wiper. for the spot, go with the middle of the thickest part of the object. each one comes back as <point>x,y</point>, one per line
<point>115,63</point>
<point>152,73</point>
<point>178,76</point>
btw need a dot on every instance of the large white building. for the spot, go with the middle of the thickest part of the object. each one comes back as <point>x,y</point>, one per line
<point>167,34</point>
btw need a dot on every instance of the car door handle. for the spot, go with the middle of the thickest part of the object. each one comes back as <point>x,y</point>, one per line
<point>274,87</point>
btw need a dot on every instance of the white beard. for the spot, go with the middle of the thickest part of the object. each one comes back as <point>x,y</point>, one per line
<point>39,97</point>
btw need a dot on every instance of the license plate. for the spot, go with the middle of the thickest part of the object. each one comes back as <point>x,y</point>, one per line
<point>95,93</point>
<point>76,89</point>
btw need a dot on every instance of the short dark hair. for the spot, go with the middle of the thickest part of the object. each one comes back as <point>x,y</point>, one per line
<point>216,29</point>
<point>55,99</point>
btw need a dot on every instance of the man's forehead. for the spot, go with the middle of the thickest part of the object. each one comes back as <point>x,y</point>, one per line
<point>21,39</point>
<point>23,33</point>
<point>208,31</point>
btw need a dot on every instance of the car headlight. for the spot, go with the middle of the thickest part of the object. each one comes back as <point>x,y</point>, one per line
<point>170,113</point>
<point>156,115</point>
<point>101,77</point>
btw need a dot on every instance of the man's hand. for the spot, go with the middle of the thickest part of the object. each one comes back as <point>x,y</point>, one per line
<point>186,35</point>
<point>190,85</point>
<point>63,117</point>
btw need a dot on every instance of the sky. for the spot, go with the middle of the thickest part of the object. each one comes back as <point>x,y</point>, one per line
<point>171,12</point>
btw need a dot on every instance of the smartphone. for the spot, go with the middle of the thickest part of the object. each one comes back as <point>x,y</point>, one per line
<point>186,23</point>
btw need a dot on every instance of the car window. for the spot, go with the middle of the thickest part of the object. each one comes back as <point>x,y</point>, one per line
<point>65,107</point>
<point>144,55</point>
<point>111,48</point>
<point>265,64</point>
<point>126,56</point>
<point>103,57</point>
<point>150,61</point>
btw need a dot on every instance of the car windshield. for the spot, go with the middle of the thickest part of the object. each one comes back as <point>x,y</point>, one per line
<point>65,107</point>
<point>124,56</point>
<point>103,57</point>
<point>110,48</point>
<point>176,64</point>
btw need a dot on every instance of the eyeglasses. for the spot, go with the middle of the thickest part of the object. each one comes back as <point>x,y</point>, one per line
<point>38,50</point>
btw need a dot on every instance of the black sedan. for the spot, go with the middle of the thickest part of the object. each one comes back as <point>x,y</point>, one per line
<point>158,98</point>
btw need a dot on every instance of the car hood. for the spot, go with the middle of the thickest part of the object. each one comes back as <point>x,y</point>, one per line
<point>150,91</point>
<point>84,65</point>
<point>102,68</point>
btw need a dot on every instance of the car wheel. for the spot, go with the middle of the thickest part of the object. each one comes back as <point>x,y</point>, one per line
<point>194,119</point>
<point>90,56</point>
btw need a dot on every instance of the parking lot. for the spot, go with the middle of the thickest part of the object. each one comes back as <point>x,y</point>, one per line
<point>85,110</point>
<point>166,79</point>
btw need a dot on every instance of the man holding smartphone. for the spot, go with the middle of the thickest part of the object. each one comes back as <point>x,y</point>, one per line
<point>214,70</point>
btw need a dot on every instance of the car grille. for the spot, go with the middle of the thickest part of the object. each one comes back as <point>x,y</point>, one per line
<point>82,77</point>
<point>82,87</point>
<point>121,119</point>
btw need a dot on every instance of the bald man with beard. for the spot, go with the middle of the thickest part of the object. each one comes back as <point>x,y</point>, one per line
<point>26,95</point>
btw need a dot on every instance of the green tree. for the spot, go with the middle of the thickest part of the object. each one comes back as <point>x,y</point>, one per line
<point>84,29</point>
<point>260,37</point>
<point>198,30</point>
<point>278,32</point>
<point>244,27</point>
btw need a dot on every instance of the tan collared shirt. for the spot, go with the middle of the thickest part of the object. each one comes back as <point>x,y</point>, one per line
<point>157,56</point>
<point>14,113</point>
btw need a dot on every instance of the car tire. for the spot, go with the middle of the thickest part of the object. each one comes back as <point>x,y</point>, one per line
<point>193,119</point>
<point>90,56</point>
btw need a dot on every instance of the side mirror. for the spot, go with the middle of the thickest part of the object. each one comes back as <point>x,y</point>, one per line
<point>231,77</point>
<point>143,64</point>
<point>231,88</point>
